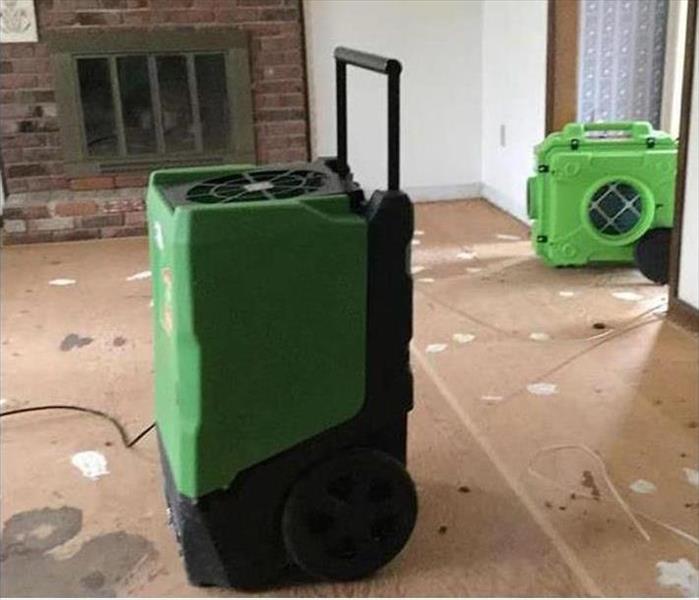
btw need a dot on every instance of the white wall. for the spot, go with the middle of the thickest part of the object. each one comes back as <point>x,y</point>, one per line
<point>439,44</point>
<point>688,289</point>
<point>514,96</point>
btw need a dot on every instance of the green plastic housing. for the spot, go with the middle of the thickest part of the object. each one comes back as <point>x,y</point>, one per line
<point>259,326</point>
<point>588,173</point>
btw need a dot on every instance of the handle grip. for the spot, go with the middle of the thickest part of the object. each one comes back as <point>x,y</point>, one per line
<point>386,66</point>
<point>636,129</point>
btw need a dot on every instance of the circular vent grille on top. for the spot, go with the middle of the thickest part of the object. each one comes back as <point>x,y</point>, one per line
<point>250,186</point>
<point>615,208</point>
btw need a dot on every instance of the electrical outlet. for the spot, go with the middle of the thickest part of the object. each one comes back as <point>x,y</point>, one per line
<point>503,136</point>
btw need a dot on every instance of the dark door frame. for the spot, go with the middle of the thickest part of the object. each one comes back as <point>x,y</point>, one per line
<point>561,108</point>
<point>562,63</point>
<point>678,309</point>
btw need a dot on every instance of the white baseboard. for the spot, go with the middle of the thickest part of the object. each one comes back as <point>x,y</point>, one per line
<point>440,193</point>
<point>470,191</point>
<point>505,202</point>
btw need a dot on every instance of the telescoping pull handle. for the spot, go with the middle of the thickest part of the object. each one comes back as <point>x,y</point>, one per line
<point>378,64</point>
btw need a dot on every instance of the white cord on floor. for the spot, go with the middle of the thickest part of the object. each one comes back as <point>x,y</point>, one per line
<point>630,512</point>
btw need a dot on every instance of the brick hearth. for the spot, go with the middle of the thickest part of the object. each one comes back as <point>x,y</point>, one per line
<point>43,203</point>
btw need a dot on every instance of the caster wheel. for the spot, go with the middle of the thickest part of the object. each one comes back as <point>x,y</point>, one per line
<point>349,515</point>
<point>652,254</point>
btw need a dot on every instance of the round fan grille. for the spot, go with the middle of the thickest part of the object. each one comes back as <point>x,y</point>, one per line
<point>250,186</point>
<point>615,208</point>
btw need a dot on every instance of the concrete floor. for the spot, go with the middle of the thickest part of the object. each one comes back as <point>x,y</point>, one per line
<point>512,421</point>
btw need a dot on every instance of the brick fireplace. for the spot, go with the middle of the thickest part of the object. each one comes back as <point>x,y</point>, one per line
<point>51,196</point>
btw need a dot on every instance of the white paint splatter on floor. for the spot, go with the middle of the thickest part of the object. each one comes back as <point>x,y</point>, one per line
<point>463,338</point>
<point>138,276</point>
<point>62,281</point>
<point>627,296</point>
<point>692,476</point>
<point>426,279</point>
<point>415,242</point>
<point>417,269</point>
<point>419,232</point>
<point>508,237</point>
<point>566,294</point>
<point>435,348</point>
<point>90,463</point>
<point>492,399</point>
<point>539,336</point>
<point>151,303</point>
<point>3,401</point>
<point>681,574</point>
<point>473,269</point>
<point>466,255</point>
<point>642,486</point>
<point>542,389</point>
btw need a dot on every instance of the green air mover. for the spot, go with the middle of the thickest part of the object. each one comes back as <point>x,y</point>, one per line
<point>604,192</point>
<point>283,314</point>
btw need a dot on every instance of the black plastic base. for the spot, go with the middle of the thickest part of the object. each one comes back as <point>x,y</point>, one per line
<point>233,537</point>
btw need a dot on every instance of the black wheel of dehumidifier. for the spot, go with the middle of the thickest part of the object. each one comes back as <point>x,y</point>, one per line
<point>349,515</point>
<point>652,254</point>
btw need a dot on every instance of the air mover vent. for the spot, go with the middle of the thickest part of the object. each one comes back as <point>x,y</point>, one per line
<point>250,186</point>
<point>615,208</point>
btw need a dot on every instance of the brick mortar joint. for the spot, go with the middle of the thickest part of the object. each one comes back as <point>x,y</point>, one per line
<point>52,197</point>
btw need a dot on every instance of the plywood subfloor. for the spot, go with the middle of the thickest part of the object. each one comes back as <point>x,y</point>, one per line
<point>535,514</point>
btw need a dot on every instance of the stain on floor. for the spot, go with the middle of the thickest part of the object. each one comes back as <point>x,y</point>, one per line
<point>73,340</point>
<point>100,564</point>
<point>588,481</point>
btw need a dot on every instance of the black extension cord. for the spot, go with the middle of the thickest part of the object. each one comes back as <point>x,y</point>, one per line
<point>91,411</point>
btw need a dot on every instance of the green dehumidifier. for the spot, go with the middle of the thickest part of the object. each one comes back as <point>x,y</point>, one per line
<point>282,318</point>
<point>604,193</point>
